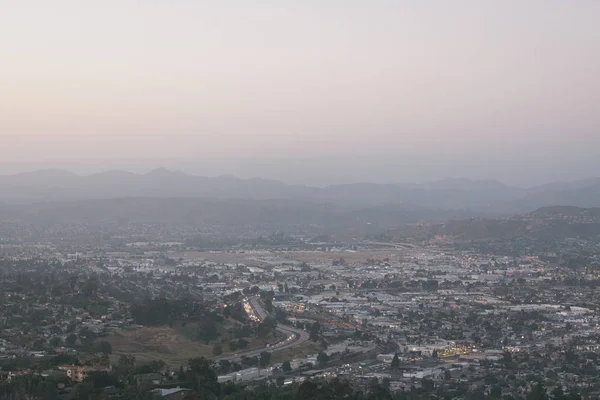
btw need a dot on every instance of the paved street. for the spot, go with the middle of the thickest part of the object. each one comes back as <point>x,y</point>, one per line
<point>294,337</point>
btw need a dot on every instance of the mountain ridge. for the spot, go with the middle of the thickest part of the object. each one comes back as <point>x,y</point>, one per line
<point>484,196</point>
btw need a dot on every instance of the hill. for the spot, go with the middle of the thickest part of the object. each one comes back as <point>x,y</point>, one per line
<point>556,223</point>
<point>478,197</point>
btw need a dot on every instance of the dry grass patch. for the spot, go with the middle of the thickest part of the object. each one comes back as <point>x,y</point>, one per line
<point>174,347</point>
<point>157,343</point>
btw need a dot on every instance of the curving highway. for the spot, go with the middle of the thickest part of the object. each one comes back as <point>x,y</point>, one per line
<point>294,337</point>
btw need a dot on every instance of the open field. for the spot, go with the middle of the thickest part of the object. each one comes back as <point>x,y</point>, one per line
<point>174,347</point>
<point>157,343</point>
<point>252,259</point>
<point>349,257</point>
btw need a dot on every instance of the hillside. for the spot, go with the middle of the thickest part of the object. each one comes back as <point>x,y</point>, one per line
<point>554,223</point>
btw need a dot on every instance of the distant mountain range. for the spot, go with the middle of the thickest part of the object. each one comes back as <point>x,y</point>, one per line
<point>484,197</point>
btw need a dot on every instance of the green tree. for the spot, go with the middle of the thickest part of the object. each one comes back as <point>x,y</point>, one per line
<point>322,358</point>
<point>507,357</point>
<point>496,392</point>
<point>286,366</point>
<point>538,393</point>
<point>378,391</point>
<point>105,347</point>
<point>573,395</point>
<point>71,339</point>
<point>224,366</point>
<point>102,379</point>
<point>84,391</point>
<point>315,330</point>
<point>202,376</point>
<point>385,383</point>
<point>232,345</point>
<point>427,384</point>
<point>87,335</point>
<point>126,365</point>
<point>157,365</point>
<point>558,393</point>
<point>181,374</point>
<point>447,375</point>
<point>208,331</point>
<point>265,358</point>
<point>55,342</point>
<point>395,362</point>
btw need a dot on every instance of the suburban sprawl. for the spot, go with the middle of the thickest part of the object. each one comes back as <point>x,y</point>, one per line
<point>143,312</point>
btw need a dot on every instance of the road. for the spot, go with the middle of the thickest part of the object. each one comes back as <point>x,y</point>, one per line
<point>294,337</point>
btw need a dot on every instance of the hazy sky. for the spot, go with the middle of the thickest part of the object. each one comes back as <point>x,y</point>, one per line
<point>342,90</point>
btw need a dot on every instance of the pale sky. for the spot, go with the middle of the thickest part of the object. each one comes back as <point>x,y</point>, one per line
<point>386,90</point>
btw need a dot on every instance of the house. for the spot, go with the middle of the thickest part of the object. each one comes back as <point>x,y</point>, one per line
<point>172,394</point>
<point>149,379</point>
<point>14,374</point>
<point>112,392</point>
<point>53,374</point>
<point>78,373</point>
